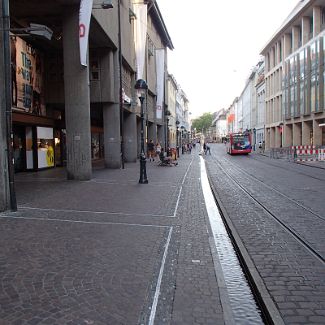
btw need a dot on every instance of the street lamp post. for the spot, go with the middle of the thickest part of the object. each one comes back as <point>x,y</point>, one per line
<point>6,98</point>
<point>141,86</point>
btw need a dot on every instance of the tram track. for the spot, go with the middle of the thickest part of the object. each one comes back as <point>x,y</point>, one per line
<point>286,227</point>
<point>276,191</point>
<point>296,171</point>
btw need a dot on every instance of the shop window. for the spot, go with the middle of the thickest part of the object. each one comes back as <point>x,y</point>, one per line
<point>45,147</point>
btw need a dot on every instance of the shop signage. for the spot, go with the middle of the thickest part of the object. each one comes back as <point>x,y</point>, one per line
<point>27,73</point>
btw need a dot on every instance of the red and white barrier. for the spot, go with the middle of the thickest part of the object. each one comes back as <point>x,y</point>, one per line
<point>308,153</point>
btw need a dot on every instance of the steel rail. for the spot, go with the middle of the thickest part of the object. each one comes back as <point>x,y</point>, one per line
<point>295,235</point>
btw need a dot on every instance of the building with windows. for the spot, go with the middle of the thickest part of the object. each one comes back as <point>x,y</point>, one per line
<point>294,78</point>
<point>220,125</point>
<point>68,111</point>
<point>259,118</point>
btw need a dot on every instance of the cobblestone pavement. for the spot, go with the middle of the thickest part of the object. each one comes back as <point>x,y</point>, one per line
<point>109,251</point>
<point>291,273</point>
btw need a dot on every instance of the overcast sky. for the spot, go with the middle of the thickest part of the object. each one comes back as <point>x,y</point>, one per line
<point>217,42</point>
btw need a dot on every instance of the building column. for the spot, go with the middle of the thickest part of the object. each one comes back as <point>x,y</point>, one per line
<point>286,45</point>
<point>130,137</point>
<point>296,134</point>
<point>161,135</point>
<point>305,29</point>
<point>295,38</point>
<point>152,132</point>
<point>277,137</point>
<point>287,135</point>
<point>267,138</point>
<point>272,137</point>
<point>77,100</point>
<point>317,20</point>
<point>112,143</point>
<point>317,133</point>
<point>306,129</point>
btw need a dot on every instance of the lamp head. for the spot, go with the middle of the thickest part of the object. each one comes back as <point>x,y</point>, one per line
<point>141,85</point>
<point>107,4</point>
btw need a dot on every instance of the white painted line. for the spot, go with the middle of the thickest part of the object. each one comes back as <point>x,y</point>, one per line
<point>93,212</point>
<point>157,292</point>
<point>160,184</point>
<point>181,188</point>
<point>84,222</point>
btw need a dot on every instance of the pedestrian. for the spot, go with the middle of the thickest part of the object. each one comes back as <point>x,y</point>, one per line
<point>158,149</point>
<point>151,150</point>
<point>208,149</point>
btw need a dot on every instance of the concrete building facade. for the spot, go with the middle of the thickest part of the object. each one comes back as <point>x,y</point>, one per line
<point>67,114</point>
<point>294,78</point>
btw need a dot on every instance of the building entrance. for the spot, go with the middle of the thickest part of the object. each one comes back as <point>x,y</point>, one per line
<point>19,148</point>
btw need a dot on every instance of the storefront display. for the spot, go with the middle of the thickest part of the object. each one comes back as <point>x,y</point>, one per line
<point>45,147</point>
<point>27,76</point>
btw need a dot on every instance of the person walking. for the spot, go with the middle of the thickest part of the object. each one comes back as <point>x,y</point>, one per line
<point>158,149</point>
<point>151,150</point>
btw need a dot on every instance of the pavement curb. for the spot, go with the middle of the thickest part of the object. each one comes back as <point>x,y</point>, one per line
<point>273,316</point>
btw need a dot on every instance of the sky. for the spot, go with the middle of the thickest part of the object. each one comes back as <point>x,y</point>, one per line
<point>216,45</point>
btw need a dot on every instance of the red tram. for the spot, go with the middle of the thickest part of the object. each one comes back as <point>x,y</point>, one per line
<point>239,143</point>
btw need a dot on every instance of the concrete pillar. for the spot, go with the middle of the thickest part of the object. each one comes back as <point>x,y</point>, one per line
<point>161,135</point>
<point>295,38</point>
<point>306,129</point>
<point>277,137</point>
<point>152,132</point>
<point>296,134</point>
<point>287,135</point>
<point>279,47</point>
<point>267,139</point>
<point>305,29</point>
<point>112,143</point>
<point>272,137</point>
<point>317,20</point>
<point>130,137</point>
<point>77,100</point>
<point>317,133</point>
<point>286,45</point>
<point>111,118</point>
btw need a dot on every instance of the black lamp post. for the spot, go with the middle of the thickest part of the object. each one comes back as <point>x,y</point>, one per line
<point>182,138</point>
<point>141,86</point>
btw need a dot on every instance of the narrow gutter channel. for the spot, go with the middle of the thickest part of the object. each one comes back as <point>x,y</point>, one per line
<point>243,308</point>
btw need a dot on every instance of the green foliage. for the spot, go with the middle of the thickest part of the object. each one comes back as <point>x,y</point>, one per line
<point>203,122</point>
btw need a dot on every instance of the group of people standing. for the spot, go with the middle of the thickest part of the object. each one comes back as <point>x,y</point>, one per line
<point>153,150</point>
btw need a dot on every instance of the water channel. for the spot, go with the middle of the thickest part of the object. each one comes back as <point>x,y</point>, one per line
<point>243,308</point>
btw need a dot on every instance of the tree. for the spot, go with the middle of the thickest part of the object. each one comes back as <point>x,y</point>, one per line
<point>203,122</point>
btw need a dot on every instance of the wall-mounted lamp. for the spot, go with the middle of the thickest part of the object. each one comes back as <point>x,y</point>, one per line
<point>33,29</point>
<point>107,4</point>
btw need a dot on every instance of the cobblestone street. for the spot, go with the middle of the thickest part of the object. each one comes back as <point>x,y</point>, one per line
<point>112,251</point>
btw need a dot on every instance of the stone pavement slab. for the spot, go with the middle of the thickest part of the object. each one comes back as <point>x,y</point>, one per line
<point>109,251</point>
<point>294,277</point>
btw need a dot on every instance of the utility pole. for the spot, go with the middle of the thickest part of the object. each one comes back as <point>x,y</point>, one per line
<point>7,189</point>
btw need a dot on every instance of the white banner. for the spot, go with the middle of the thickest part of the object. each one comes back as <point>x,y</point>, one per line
<point>160,69</point>
<point>140,35</point>
<point>84,22</point>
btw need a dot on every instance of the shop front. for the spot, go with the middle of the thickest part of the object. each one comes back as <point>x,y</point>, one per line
<point>37,130</point>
